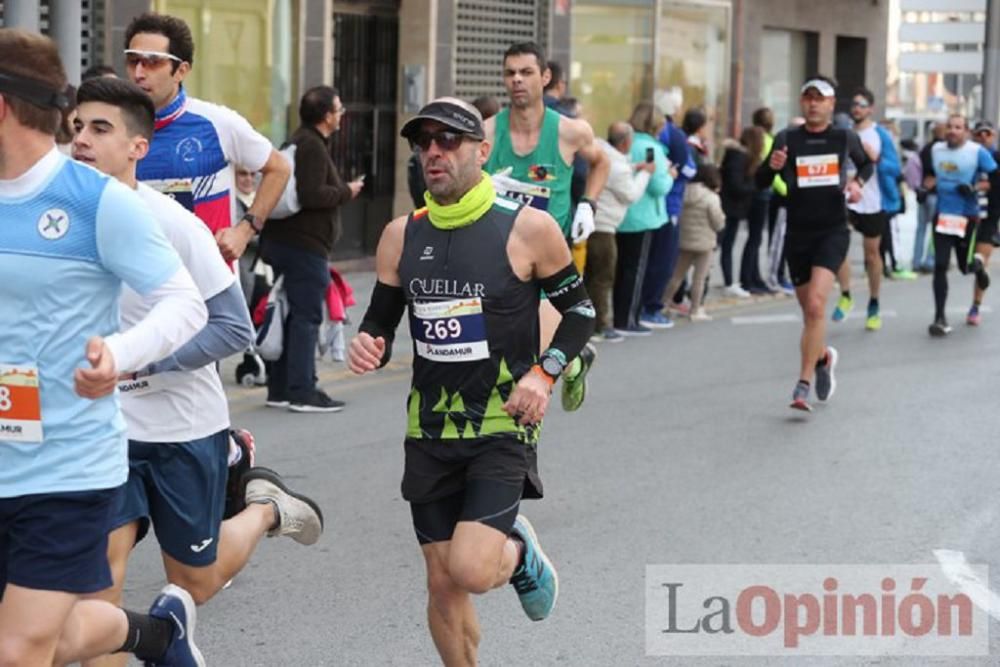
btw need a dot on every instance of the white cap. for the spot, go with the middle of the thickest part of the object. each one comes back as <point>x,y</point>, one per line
<point>824,87</point>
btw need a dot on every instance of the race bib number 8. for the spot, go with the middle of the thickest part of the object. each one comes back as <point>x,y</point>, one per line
<point>813,171</point>
<point>951,225</point>
<point>450,331</point>
<point>20,404</point>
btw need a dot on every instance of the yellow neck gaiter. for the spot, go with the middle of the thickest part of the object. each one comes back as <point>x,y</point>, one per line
<point>473,205</point>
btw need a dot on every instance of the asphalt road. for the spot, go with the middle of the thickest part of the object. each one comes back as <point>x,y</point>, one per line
<point>685,453</point>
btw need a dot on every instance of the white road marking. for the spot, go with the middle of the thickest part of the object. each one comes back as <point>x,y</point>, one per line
<point>957,569</point>
<point>795,318</point>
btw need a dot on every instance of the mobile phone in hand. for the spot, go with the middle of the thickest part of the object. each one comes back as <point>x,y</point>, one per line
<point>649,155</point>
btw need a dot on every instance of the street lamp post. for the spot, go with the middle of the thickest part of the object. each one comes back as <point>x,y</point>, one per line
<point>991,64</point>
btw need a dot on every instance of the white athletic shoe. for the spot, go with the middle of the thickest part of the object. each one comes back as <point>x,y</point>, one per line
<point>299,517</point>
<point>735,290</point>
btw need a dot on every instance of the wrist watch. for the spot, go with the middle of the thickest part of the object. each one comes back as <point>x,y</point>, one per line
<point>551,365</point>
<point>537,370</point>
<point>255,222</point>
<point>590,202</point>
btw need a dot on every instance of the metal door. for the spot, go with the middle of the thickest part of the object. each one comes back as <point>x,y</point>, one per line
<point>365,73</point>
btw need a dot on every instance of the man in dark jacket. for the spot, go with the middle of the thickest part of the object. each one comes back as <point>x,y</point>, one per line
<point>298,247</point>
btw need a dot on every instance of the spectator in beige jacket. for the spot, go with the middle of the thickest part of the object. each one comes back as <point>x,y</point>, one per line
<point>626,183</point>
<point>701,221</point>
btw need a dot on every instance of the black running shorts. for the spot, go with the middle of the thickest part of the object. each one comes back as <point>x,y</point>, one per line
<point>986,231</point>
<point>871,225</point>
<point>485,501</point>
<point>824,248</point>
<point>483,480</point>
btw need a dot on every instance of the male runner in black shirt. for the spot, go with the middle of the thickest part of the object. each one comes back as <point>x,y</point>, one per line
<point>812,160</point>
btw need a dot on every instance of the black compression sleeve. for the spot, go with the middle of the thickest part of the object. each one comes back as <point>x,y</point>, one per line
<point>384,312</point>
<point>566,292</point>
<point>859,156</point>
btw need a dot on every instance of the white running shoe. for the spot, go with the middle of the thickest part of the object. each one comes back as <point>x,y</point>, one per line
<point>735,290</point>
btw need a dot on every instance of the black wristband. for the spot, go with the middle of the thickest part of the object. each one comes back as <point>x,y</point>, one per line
<point>256,223</point>
<point>384,312</point>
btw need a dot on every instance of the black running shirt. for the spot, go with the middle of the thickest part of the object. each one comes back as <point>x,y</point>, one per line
<point>816,174</point>
<point>474,325</point>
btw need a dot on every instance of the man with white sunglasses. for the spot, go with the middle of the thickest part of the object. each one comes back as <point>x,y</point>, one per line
<point>196,143</point>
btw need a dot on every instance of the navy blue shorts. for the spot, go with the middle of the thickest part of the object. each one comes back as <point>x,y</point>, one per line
<point>57,541</point>
<point>181,488</point>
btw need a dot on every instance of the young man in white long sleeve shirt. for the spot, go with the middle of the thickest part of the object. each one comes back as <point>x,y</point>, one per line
<point>63,260</point>
<point>175,409</point>
<point>626,183</point>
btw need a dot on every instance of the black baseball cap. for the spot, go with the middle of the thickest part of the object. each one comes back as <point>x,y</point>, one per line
<point>457,114</point>
<point>983,126</point>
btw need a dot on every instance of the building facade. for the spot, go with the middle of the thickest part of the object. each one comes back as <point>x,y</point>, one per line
<point>940,45</point>
<point>388,57</point>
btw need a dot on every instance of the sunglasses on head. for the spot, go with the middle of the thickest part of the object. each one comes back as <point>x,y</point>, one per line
<point>148,59</point>
<point>445,140</point>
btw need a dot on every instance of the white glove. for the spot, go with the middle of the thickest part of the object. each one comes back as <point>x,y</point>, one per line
<point>583,223</point>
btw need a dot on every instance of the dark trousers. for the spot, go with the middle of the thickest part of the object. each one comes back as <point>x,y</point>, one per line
<point>944,244</point>
<point>633,252</point>
<point>777,254</point>
<point>750,262</point>
<point>664,249</point>
<point>599,278</point>
<point>293,376</point>
<point>886,246</point>
<point>726,248</point>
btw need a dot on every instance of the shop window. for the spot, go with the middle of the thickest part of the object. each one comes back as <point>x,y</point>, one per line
<point>612,67</point>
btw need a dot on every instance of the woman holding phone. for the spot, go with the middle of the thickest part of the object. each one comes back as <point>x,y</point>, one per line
<point>645,216</point>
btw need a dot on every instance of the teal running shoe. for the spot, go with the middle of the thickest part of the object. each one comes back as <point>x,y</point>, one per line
<point>535,580</point>
<point>843,309</point>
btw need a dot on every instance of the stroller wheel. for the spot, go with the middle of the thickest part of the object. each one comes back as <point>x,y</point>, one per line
<point>246,371</point>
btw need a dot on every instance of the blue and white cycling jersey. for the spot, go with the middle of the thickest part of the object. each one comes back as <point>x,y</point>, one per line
<point>194,150</point>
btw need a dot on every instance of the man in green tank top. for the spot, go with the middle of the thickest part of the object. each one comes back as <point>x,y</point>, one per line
<point>469,268</point>
<point>531,161</point>
<point>534,147</point>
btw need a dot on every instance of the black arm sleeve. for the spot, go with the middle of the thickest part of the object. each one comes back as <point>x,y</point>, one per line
<point>384,312</point>
<point>566,292</point>
<point>855,151</point>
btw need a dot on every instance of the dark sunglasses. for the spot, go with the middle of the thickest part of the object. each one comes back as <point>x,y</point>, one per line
<point>860,105</point>
<point>446,141</point>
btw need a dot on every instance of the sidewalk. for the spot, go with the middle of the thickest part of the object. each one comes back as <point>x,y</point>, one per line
<point>361,275</point>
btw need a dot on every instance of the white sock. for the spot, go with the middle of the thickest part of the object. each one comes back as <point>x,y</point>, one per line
<point>235,453</point>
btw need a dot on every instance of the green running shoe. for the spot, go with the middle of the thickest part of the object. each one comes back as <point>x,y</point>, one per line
<point>874,321</point>
<point>843,309</point>
<point>574,389</point>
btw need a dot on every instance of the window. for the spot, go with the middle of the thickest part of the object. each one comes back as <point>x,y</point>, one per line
<point>612,68</point>
<point>787,57</point>
<point>695,40</point>
<point>243,57</point>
